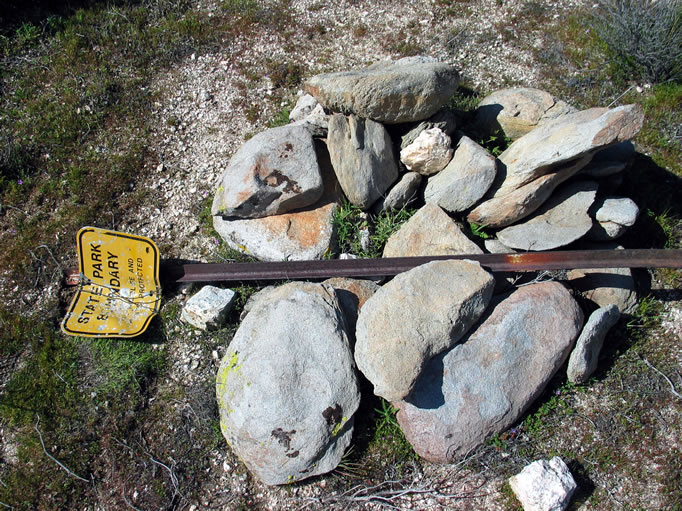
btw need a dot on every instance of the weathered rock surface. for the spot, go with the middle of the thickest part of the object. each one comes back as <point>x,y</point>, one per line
<point>444,120</point>
<point>544,485</point>
<point>274,172</point>
<point>495,246</point>
<point>606,286</point>
<point>406,90</point>
<point>287,388</point>
<point>505,210</point>
<point>565,139</point>
<point>413,317</point>
<point>465,180</point>
<point>208,308</point>
<point>553,148</point>
<point>352,295</point>
<point>316,123</point>
<point>472,391</point>
<point>560,221</point>
<point>300,235</point>
<point>362,156</point>
<point>304,107</point>
<point>430,152</point>
<point>611,160</point>
<point>402,193</point>
<point>517,111</point>
<point>613,216</point>
<point>584,357</point>
<point>430,231</point>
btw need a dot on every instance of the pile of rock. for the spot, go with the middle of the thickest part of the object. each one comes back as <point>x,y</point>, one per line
<point>458,362</point>
<point>391,141</point>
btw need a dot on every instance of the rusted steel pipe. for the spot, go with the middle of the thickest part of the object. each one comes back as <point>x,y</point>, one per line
<point>526,261</point>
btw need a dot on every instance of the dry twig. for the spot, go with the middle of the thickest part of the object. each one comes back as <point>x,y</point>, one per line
<point>71,473</point>
<point>672,387</point>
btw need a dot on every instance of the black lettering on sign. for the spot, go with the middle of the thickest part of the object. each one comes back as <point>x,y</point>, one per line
<point>96,258</point>
<point>112,263</point>
<point>88,311</point>
<point>140,276</point>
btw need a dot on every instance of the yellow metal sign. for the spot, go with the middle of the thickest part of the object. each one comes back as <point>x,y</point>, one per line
<point>119,289</point>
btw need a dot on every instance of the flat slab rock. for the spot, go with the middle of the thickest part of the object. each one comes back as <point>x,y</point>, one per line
<point>560,221</point>
<point>406,90</point>
<point>286,388</point>
<point>274,172</point>
<point>504,210</point>
<point>430,231</point>
<point>517,111</point>
<point>418,314</point>
<point>483,385</point>
<point>550,154</point>
<point>566,138</point>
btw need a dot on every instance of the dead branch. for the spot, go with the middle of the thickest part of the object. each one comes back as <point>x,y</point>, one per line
<point>672,387</point>
<point>71,473</point>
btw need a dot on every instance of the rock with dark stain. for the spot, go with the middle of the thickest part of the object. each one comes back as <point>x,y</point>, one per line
<point>299,235</point>
<point>274,172</point>
<point>287,389</point>
<point>483,385</point>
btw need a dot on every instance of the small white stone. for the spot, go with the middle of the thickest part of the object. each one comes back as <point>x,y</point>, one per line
<point>208,308</point>
<point>544,485</point>
<point>430,152</point>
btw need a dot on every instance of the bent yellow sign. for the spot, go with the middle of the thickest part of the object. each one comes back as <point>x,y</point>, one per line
<point>119,289</point>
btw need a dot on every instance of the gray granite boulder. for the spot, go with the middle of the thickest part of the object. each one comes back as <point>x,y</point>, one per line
<point>362,156</point>
<point>613,216</point>
<point>415,316</point>
<point>560,221</point>
<point>316,123</point>
<point>606,286</point>
<point>465,180</point>
<point>584,357</point>
<point>406,90</point>
<point>287,389</point>
<point>274,172</point>
<point>484,384</point>
<point>299,235</point>
<point>401,194</point>
<point>430,231</point>
<point>517,111</point>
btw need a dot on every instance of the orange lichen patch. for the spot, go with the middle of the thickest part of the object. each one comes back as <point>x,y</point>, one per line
<point>304,226</point>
